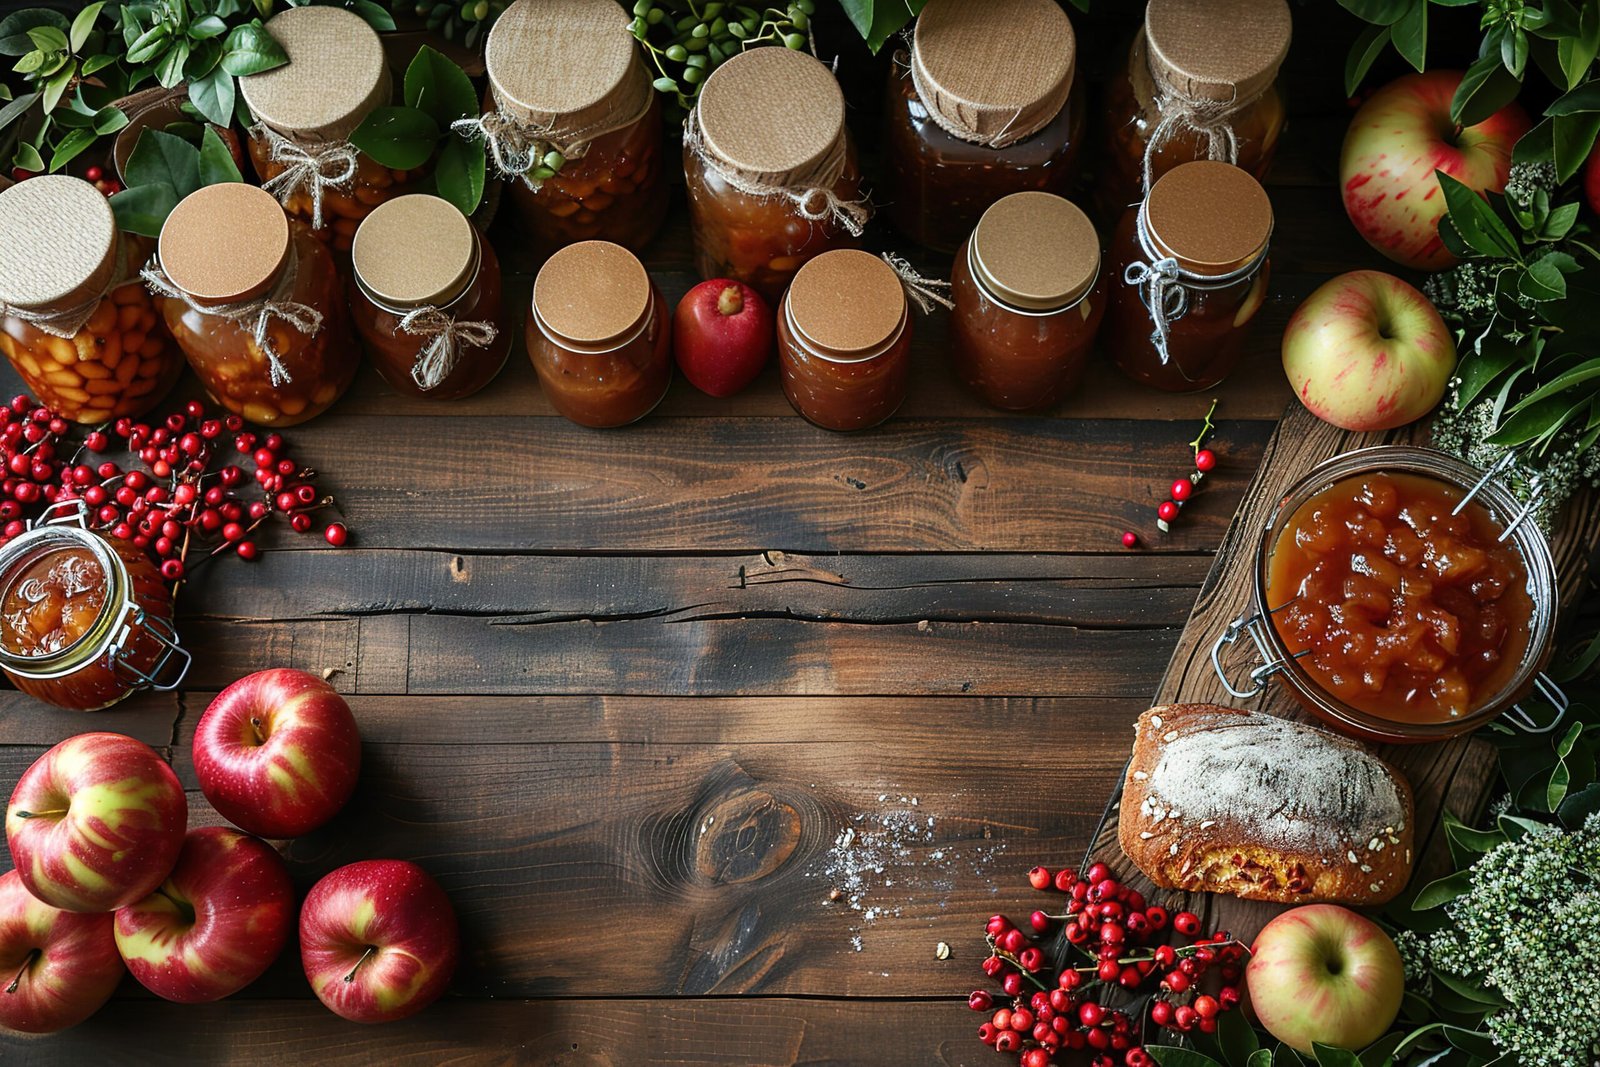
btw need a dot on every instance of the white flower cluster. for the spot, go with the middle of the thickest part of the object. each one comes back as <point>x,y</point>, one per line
<point>1414,956</point>
<point>1561,471</point>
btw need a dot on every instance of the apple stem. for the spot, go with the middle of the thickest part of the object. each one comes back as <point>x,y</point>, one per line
<point>730,301</point>
<point>351,977</point>
<point>255,726</point>
<point>32,957</point>
<point>39,814</point>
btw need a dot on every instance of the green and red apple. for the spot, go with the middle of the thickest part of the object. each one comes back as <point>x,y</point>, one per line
<point>56,967</point>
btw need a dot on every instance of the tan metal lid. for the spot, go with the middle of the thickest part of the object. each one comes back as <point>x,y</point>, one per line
<point>1035,251</point>
<point>335,76</point>
<point>993,71</point>
<point>1212,217</point>
<point>774,116</point>
<point>1217,49</point>
<point>58,243</point>
<point>225,244</point>
<point>415,250</point>
<point>846,301</point>
<point>592,292</point>
<point>567,65</point>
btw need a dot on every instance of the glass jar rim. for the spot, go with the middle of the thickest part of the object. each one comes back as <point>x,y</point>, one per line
<point>980,278</point>
<point>605,347</point>
<point>37,543</point>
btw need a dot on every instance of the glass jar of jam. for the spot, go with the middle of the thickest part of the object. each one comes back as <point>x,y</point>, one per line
<point>844,341</point>
<point>599,335</point>
<point>425,299</point>
<point>771,169</point>
<point>567,85</point>
<point>1401,595</point>
<point>254,301</point>
<point>1188,273</point>
<point>85,619</point>
<point>982,107</point>
<point>305,112</point>
<point>75,320</point>
<point>1028,300</point>
<point>1200,83</point>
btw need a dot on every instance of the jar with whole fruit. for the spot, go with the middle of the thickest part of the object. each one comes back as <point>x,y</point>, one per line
<point>1189,272</point>
<point>572,121</point>
<point>1200,83</point>
<point>981,107</point>
<point>844,341</point>
<point>1029,297</point>
<point>305,112</point>
<point>75,320</point>
<point>425,299</point>
<point>254,301</point>
<point>599,336</point>
<point>770,168</point>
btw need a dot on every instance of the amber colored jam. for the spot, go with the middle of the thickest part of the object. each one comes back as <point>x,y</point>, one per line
<point>840,395</point>
<point>1409,613</point>
<point>611,388</point>
<point>940,185</point>
<point>52,603</point>
<point>343,207</point>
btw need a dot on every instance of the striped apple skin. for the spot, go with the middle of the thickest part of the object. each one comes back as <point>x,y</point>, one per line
<point>96,823</point>
<point>64,965</point>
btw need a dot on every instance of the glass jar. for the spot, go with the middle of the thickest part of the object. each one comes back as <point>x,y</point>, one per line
<point>599,335</point>
<point>85,620</point>
<point>1028,299</point>
<point>75,321</point>
<point>983,106</point>
<point>844,341</point>
<point>771,169</point>
<point>564,79</point>
<point>1189,273</point>
<point>425,299</point>
<point>1200,83</point>
<point>306,110</point>
<point>254,301</point>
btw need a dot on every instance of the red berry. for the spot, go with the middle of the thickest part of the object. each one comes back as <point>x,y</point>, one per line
<point>997,925</point>
<point>1157,916</point>
<point>1090,1013</point>
<point>1031,959</point>
<point>300,522</point>
<point>1205,1006</point>
<point>1167,511</point>
<point>172,569</point>
<point>247,550</point>
<point>1130,539</point>
<point>980,1000</point>
<point>987,1033</point>
<point>1013,941</point>
<point>1022,1020</point>
<point>96,441</point>
<point>1228,997</point>
<point>93,174</point>
<point>1182,489</point>
<point>1177,981</point>
<point>1040,878</point>
<point>1007,1041</point>
<point>1186,923</point>
<point>1097,873</point>
<point>1065,879</point>
<point>1161,1012</point>
<point>1035,1057</point>
<point>1108,970</point>
<point>993,966</point>
<point>1011,984</point>
<point>1205,460</point>
<point>1069,979</point>
<point>1040,922</point>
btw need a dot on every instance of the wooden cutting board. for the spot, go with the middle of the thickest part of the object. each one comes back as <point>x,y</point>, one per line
<point>1457,774</point>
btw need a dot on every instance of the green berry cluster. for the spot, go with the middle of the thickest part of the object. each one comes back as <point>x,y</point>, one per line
<point>688,39</point>
<point>466,21</point>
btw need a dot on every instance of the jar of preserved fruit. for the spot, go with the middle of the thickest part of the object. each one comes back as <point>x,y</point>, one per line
<point>305,112</point>
<point>982,107</point>
<point>573,121</point>
<point>1189,268</point>
<point>599,335</point>
<point>75,320</point>
<point>1028,300</point>
<point>255,303</point>
<point>425,298</point>
<point>1201,83</point>
<point>85,619</point>
<point>844,340</point>
<point>770,168</point>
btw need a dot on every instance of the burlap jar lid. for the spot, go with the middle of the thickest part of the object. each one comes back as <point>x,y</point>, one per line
<point>993,71</point>
<point>592,292</point>
<point>1212,217</point>
<point>774,116</point>
<point>566,64</point>
<point>1216,49</point>
<point>1036,251</point>
<point>224,244</point>
<point>415,250</point>
<point>846,301</point>
<point>335,76</point>
<point>58,243</point>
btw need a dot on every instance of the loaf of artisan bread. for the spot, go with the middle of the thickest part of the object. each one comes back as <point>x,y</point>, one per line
<point>1226,801</point>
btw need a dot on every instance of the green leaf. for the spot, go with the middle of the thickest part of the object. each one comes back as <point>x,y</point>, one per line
<point>1410,33</point>
<point>1585,97</point>
<point>14,39</point>
<point>1237,1038</point>
<point>95,64</point>
<point>1479,368</point>
<point>149,44</point>
<point>1534,421</point>
<point>48,38</point>
<point>1485,88</point>
<point>1381,1052</point>
<point>1556,790</point>
<point>82,24</point>
<point>169,68</point>
<point>1475,220</point>
<point>144,208</point>
<point>1475,1042</point>
<point>250,49</point>
<point>1572,136</point>
<point>16,108</point>
<point>1473,991</point>
<point>1576,52</point>
<point>27,157</point>
<point>1516,827</point>
<point>377,15</point>
<point>397,137</point>
<point>215,165</point>
<point>159,158</point>
<point>1560,222</point>
<point>1381,12</point>
<point>459,173</point>
<point>1329,1056</point>
<point>1470,839</point>
<point>108,120</point>
<point>206,27</point>
<point>1261,1057</point>
<point>1579,806</point>
<point>212,95</point>
<point>1172,1056</point>
<point>56,85</point>
<point>71,146</point>
<point>439,88</point>
<point>1367,48</point>
<point>1543,280</point>
<point>1584,372</point>
<point>1443,891</point>
<point>879,20</point>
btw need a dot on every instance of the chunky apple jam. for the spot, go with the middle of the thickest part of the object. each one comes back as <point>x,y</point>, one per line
<point>52,603</point>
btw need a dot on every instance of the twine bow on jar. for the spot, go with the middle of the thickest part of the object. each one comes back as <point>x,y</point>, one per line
<point>1165,286</point>
<point>516,149</point>
<point>446,337</point>
<point>312,168</point>
<point>255,315</point>
<point>923,291</point>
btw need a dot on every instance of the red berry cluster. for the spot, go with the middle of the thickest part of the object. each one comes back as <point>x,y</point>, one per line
<point>1184,488</point>
<point>1123,943</point>
<point>95,176</point>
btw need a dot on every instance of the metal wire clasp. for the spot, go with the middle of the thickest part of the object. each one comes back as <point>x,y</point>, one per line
<point>134,622</point>
<point>1536,486</point>
<point>1545,687</point>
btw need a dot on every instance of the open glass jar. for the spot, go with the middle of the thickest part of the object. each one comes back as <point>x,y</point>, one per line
<point>1401,595</point>
<point>981,107</point>
<point>75,320</point>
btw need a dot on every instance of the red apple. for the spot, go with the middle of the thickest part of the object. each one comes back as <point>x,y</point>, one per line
<point>1396,141</point>
<point>218,921</point>
<point>56,967</point>
<point>96,823</point>
<point>277,753</point>
<point>1367,351</point>
<point>378,940</point>
<point>1322,973</point>
<point>723,335</point>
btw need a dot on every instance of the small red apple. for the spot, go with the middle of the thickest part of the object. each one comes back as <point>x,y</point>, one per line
<point>723,335</point>
<point>56,967</point>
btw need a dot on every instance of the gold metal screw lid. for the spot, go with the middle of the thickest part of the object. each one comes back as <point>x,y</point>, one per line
<point>774,116</point>
<point>993,71</point>
<point>1212,217</point>
<point>566,65</point>
<point>225,244</point>
<point>335,76</point>
<point>846,302</point>
<point>1219,50</point>
<point>58,242</point>
<point>415,250</point>
<point>592,293</point>
<point>1035,251</point>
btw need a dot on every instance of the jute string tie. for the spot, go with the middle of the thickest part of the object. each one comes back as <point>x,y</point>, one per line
<point>923,291</point>
<point>446,338</point>
<point>312,168</point>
